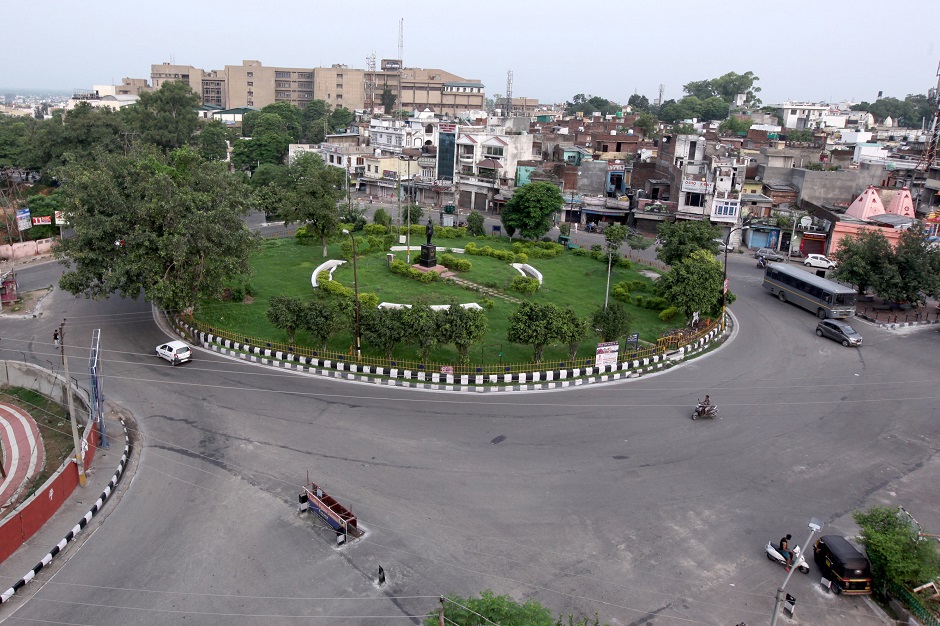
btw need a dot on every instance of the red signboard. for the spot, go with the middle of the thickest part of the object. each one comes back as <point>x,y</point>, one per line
<point>42,220</point>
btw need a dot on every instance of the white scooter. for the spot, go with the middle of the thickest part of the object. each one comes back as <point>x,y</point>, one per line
<point>798,561</point>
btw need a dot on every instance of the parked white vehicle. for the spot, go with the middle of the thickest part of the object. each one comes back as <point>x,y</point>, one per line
<point>818,260</point>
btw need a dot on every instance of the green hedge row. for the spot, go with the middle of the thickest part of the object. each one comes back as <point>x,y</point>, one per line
<point>400,267</point>
<point>452,262</point>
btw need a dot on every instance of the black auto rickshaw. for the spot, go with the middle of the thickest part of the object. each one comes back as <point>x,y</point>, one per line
<point>842,565</point>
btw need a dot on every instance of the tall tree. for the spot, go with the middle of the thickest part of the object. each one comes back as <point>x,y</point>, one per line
<point>530,209</point>
<point>463,328</point>
<point>166,117</point>
<point>572,331</point>
<point>865,261</point>
<point>681,239</point>
<point>169,226</point>
<point>76,135</point>
<point>213,141</point>
<point>315,188</point>
<point>384,329</point>
<point>694,284</point>
<point>286,313</point>
<point>613,322</point>
<point>388,99</point>
<point>535,324</point>
<point>424,324</point>
<point>727,87</point>
<point>322,318</point>
<point>714,108</point>
<point>639,103</point>
<point>648,124</point>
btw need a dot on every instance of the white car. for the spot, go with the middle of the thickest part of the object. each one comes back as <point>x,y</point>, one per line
<point>818,260</point>
<point>722,247</point>
<point>175,352</point>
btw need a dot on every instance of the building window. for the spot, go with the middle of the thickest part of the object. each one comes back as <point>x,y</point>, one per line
<point>339,85</point>
<point>339,96</point>
<point>281,74</point>
<point>493,151</point>
<point>251,74</point>
<point>251,84</point>
<point>251,103</point>
<point>339,77</point>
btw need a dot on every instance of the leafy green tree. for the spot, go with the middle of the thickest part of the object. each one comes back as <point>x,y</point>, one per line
<point>463,328</point>
<point>535,324</point>
<point>613,322</point>
<point>291,120</point>
<point>75,135</point>
<point>895,550</point>
<point>424,324</point>
<point>865,261</point>
<point>701,89</point>
<point>313,117</point>
<point>572,331</point>
<point>639,242</point>
<point>322,318</point>
<point>726,87</point>
<point>800,135</point>
<point>382,217</point>
<point>17,138</point>
<point>734,126</point>
<point>286,313</point>
<point>268,174</point>
<point>411,211</point>
<point>530,209</point>
<point>212,140</point>
<point>353,213</point>
<point>166,117</point>
<point>167,225</point>
<point>647,124</point>
<point>384,329</point>
<point>681,239</point>
<point>639,103</point>
<point>311,199</point>
<point>341,118</point>
<point>388,99</point>
<point>694,284</point>
<point>269,148</point>
<point>614,236</point>
<point>714,108</point>
<point>475,224</point>
<point>590,105</point>
<point>917,266</point>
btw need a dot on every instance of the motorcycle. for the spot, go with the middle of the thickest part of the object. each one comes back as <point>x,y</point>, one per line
<point>761,263</point>
<point>705,410</point>
<point>798,561</point>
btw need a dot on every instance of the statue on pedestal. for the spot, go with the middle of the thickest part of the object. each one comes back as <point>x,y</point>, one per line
<point>429,231</point>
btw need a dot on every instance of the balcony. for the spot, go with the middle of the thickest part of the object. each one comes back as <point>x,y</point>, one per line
<point>477,180</point>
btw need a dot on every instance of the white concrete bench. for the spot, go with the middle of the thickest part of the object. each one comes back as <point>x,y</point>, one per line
<point>330,265</point>
<point>528,270</point>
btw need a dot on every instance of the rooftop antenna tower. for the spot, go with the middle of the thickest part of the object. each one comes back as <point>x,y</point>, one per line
<point>929,158</point>
<point>659,100</point>
<point>508,107</point>
<point>370,81</point>
<point>401,40</point>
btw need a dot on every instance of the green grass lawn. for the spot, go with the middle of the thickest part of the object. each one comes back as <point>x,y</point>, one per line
<point>284,267</point>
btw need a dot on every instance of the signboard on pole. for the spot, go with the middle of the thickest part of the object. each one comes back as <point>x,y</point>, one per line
<point>23,221</point>
<point>42,220</point>
<point>607,353</point>
<point>60,218</point>
<point>726,286</point>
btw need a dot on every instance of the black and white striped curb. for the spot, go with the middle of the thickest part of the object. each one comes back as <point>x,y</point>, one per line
<point>896,325</point>
<point>419,379</point>
<point>7,595</point>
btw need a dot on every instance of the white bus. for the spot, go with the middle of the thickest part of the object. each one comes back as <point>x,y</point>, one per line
<point>823,297</point>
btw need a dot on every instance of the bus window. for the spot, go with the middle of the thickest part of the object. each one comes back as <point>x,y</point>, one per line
<point>827,297</point>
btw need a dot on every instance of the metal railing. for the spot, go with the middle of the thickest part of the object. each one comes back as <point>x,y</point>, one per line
<point>913,604</point>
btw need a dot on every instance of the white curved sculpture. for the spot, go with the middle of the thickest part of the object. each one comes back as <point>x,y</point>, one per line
<point>330,265</point>
<point>528,270</point>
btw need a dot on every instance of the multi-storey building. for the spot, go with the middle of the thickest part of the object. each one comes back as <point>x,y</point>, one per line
<point>255,85</point>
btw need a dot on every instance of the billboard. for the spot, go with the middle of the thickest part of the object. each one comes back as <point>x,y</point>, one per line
<point>60,218</point>
<point>695,185</point>
<point>607,353</point>
<point>42,220</point>
<point>23,221</point>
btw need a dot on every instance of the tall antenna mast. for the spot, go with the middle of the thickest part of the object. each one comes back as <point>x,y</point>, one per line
<point>370,81</point>
<point>662,88</point>
<point>508,108</point>
<point>401,40</point>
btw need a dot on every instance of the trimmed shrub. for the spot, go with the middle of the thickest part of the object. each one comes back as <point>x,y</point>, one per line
<point>621,291</point>
<point>521,257</point>
<point>524,285</point>
<point>375,229</point>
<point>579,251</point>
<point>667,314</point>
<point>303,236</point>
<point>334,288</point>
<point>487,303</point>
<point>368,300</point>
<point>624,262</point>
<point>452,262</point>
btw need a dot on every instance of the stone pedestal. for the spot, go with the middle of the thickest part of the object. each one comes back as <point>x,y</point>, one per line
<point>428,255</point>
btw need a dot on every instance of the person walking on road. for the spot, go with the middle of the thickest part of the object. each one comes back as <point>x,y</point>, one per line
<point>55,338</point>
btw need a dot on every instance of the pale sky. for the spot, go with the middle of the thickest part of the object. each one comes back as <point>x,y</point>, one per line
<point>815,51</point>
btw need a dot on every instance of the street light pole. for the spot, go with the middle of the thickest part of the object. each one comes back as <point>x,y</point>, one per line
<point>814,525</point>
<point>356,292</point>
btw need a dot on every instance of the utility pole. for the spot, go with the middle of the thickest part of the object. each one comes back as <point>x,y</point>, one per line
<point>79,455</point>
<point>440,613</point>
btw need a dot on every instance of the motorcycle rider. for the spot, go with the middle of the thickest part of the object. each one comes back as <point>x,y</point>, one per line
<point>784,550</point>
<point>703,406</point>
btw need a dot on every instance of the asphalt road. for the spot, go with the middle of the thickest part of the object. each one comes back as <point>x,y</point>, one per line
<point>606,498</point>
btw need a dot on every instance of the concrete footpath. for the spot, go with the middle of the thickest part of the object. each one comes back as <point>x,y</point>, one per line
<point>24,572</point>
